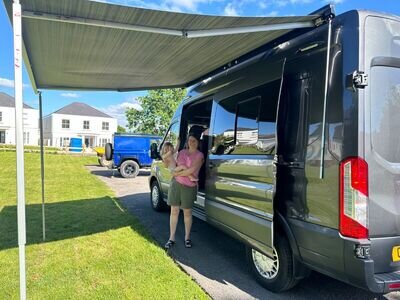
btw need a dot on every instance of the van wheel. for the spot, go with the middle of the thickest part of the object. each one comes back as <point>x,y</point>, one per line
<point>129,169</point>
<point>276,273</point>
<point>156,198</point>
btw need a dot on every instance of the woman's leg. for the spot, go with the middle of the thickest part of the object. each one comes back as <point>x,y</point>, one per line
<point>187,216</point>
<point>173,222</point>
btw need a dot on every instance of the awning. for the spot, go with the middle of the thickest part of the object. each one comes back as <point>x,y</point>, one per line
<point>85,45</point>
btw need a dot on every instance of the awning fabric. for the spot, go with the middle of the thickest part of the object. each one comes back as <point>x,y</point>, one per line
<point>74,55</point>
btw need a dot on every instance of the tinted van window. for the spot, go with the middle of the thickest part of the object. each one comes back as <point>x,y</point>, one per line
<point>246,123</point>
<point>224,127</point>
<point>385,112</point>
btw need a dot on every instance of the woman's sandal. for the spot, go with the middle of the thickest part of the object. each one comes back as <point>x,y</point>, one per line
<point>169,244</point>
<point>188,244</point>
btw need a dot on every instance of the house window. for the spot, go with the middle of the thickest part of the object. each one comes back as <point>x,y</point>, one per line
<point>2,137</point>
<point>106,126</point>
<point>64,142</point>
<point>65,124</point>
<point>86,125</point>
<point>26,137</point>
<point>104,141</point>
<point>1,116</point>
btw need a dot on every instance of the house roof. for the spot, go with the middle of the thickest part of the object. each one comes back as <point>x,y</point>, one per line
<point>89,45</point>
<point>8,101</point>
<point>81,109</point>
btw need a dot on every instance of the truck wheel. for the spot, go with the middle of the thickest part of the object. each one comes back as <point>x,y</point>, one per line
<point>129,169</point>
<point>156,198</point>
<point>104,162</point>
<point>108,151</point>
<point>275,274</point>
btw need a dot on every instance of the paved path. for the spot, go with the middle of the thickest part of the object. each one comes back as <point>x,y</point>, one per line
<point>217,262</point>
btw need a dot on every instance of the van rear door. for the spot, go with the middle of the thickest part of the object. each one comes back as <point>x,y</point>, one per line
<point>381,139</point>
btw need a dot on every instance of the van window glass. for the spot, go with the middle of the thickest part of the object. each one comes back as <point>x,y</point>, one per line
<point>246,134</point>
<point>385,111</point>
<point>172,134</point>
<point>224,127</point>
<point>253,115</point>
<point>267,119</point>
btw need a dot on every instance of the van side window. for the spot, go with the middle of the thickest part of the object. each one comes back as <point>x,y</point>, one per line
<point>172,134</point>
<point>245,123</point>
<point>246,134</point>
<point>224,127</point>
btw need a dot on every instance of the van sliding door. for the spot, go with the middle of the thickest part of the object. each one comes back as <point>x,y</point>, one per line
<point>240,182</point>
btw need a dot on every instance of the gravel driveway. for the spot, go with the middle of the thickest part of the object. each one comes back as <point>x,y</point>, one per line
<point>216,262</point>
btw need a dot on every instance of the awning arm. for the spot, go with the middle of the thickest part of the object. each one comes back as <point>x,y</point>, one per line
<point>247,29</point>
<point>180,33</point>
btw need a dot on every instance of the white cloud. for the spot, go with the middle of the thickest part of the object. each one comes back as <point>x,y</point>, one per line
<point>8,83</point>
<point>70,95</point>
<point>118,110</point>
<point>230,10</point>
<point>273,13</point>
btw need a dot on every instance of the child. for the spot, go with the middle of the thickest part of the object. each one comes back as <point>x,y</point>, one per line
<point>169,155</point>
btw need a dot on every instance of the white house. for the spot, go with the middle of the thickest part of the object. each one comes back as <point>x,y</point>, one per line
<point>78,120</point>
<point>7,122</point>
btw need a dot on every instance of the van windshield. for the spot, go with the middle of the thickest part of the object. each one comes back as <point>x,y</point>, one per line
<point>385,112</point>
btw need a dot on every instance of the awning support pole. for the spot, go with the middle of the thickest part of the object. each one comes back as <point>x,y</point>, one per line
<point>180,33</point>
<point>19,136</point>
<point>42,165</point>
<point>328,54</point>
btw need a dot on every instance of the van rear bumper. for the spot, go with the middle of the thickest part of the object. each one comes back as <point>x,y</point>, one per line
<point>376,273</point>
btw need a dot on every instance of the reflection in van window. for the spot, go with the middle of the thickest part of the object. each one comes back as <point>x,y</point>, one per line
<point>224,127</point>
<point>246,136</point>
<point>245,123</point>
<point>385,111</point>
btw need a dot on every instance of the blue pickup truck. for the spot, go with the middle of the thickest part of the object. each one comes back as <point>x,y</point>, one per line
<point>130,152</point>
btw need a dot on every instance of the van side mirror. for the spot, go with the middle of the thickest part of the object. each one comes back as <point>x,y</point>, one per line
<point>154,151</point>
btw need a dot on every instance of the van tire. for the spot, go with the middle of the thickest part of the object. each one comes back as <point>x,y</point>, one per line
<point>156,199</point>
<point>108,151</point>
<point>281,280</point>
<point>129,169</point>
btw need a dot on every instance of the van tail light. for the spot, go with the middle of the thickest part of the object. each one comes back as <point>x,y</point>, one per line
<point>353,214</point>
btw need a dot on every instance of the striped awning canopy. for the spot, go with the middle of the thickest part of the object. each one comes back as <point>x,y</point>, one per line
<point>87,45</point>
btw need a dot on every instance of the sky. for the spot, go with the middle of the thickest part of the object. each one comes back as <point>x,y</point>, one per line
<point>115,103</point>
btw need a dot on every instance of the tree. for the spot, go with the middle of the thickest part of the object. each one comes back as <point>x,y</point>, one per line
<point>158,107</point>
<point>121,129</point>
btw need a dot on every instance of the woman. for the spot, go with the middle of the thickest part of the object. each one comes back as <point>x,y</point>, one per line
<point>183,192</point>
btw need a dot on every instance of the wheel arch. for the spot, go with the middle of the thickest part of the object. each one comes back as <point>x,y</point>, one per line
<point>300,270</point>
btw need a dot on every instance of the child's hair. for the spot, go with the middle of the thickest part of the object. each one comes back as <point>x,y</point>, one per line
<point>166,146</point>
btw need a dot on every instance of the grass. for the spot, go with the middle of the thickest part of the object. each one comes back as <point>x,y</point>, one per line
<point>94,248</point>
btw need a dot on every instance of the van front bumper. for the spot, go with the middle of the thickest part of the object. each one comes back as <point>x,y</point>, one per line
<point>376,272</point>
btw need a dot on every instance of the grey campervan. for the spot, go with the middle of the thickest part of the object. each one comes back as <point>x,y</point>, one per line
<point>302,153</point>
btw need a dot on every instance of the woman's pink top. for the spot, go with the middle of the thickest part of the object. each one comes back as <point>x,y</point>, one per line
<point>186,159</point>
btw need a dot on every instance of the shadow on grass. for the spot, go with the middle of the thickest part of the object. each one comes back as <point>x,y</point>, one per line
<point>65,220</point>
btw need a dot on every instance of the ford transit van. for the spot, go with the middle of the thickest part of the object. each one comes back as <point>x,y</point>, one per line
<point>302,153</point>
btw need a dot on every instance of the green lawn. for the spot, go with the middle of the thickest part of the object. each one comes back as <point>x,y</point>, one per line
<point>94,248</point>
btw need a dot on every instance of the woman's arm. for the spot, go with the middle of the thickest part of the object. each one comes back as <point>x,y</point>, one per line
<point>189,171</point>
